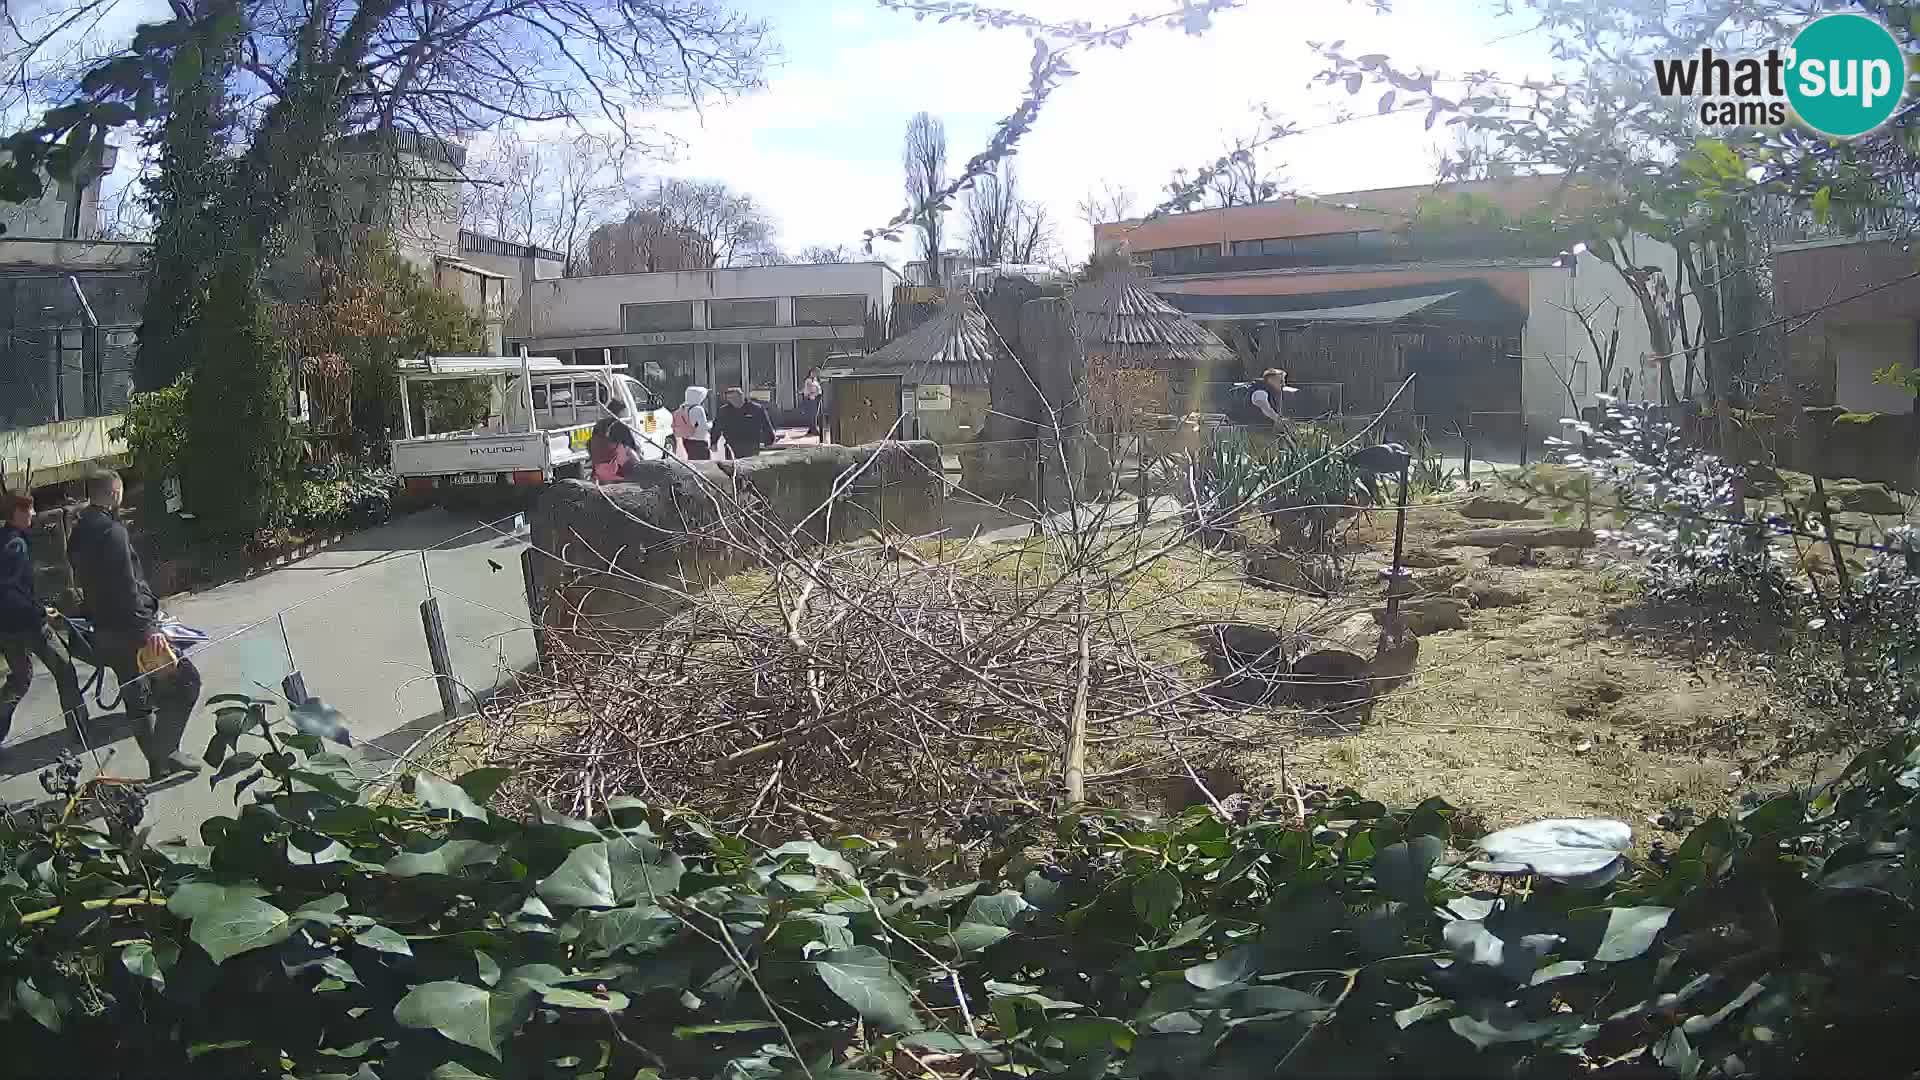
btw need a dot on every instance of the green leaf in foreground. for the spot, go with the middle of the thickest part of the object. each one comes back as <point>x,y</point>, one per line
<point>1156,897</point>
<point>438,794</point>
<point>1402,868</point>
<point>469,1015</point>
<point>449,858</point>
<point>613,873</point>
<point>1630,932</point>
<point>150,960</point>
<point>864,978</point>
<point>239,924</point>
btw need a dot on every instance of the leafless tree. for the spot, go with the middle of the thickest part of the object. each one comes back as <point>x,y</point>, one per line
<point>925,157</point>
<point>548,193</point>
<point>1002,227</point>
<point>1238,178</point>
<point>740,229</point>
<point>1109,203</point>
<point>818,254</point>
<point>1475,155</point>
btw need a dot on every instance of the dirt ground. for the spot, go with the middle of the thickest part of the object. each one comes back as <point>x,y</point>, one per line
<point>1563,701</point>
<point>1559,697</point>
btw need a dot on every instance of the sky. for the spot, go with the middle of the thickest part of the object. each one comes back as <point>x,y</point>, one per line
<point>820,145</point>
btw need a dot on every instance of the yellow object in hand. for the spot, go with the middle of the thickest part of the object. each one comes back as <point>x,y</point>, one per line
<point>155,655</point>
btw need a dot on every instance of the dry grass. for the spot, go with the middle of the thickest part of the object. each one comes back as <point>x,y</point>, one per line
<point>1548,707</point>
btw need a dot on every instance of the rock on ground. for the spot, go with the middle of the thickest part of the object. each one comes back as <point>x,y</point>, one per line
<point>1483,593</point>
<point>1315,575</point>
<point>1852,497</point>
<point>1510,555</point>
<point>1524,536</point>
<point>1420,559</point>
<point>1428,616</point>
<point>1489,508</point>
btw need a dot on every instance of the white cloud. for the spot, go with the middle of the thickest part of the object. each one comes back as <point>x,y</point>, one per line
<point>820,145</point>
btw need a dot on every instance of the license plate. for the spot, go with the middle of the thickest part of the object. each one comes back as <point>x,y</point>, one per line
<point>579,439</point>
<point>464,479</point>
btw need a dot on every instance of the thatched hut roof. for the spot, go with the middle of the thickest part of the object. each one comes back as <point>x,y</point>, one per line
<point>955,346</point>
<point>1117,316</point>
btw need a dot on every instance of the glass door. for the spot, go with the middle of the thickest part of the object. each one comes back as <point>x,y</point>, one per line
<point>727,370</point>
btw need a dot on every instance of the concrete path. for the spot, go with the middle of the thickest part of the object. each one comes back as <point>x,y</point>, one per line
<point>349,620</point>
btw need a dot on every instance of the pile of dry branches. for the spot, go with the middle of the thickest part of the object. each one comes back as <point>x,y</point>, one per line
<point>890,683</point>
<point>865,686</point>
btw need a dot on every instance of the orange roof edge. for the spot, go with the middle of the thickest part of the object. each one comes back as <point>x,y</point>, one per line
<point>1309,215</point>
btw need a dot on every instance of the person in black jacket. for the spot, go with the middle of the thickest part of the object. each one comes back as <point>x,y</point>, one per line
<point>126,625</point>
<point>744,423</point>
<point>24,633</point>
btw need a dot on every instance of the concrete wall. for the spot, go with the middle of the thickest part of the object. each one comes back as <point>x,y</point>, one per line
<point>962,422</point>
<point>1555,344</point>
<point>52,213</point>
<point>1825,286</point>
<point>589,307</point>
<point>616,557</point>
<point>1861,348</point>
<point>76,254</point>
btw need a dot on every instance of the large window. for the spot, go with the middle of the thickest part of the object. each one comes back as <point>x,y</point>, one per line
<point>729,314</point>
<point>760,371</point>
<point>1321,246</point>
<point>665,369</point>
<point>829,310</point>
<point>656,318</point>
<point>1181,260</point>
<point>811,354</point>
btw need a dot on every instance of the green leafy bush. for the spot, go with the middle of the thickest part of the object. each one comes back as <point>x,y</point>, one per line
<point>155,429</point>
<point>323,932</point>
<point>1298,477</point>
<point>341,495</point>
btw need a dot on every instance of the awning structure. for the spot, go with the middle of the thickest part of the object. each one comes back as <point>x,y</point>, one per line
<point>1468,301</point>
<point>466,267</point>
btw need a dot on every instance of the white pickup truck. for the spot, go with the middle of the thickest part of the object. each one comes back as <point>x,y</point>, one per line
<point>539,418</point>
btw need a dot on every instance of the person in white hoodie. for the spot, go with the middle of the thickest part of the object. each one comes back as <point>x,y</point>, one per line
<point>691,426</point>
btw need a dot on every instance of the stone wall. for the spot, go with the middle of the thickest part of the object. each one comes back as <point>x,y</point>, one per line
<point>620,556</point>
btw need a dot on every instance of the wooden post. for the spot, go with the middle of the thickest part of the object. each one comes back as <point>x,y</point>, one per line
<point>1039,486</point>
<point>1046,329</point>
<point>437,652</point>
<point>536,611</point>
<point>1141,511</point>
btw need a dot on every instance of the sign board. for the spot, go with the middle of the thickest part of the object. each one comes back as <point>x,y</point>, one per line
<point>836,372</point>
<point>761,394</point>
<point>932,397</point>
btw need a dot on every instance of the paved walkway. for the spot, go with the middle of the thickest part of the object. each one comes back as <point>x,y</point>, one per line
<point>351,626</point>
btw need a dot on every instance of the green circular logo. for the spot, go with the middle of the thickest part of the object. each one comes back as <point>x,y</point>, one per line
<point>1846,75</point>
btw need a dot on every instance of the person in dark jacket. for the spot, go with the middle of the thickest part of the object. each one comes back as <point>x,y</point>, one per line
<point>126,630</point>
<point>744,423</point>
<point>24,633</point>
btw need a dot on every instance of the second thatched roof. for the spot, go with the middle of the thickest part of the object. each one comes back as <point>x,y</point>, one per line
<point>955,347</point>
<point>1117,316</point>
